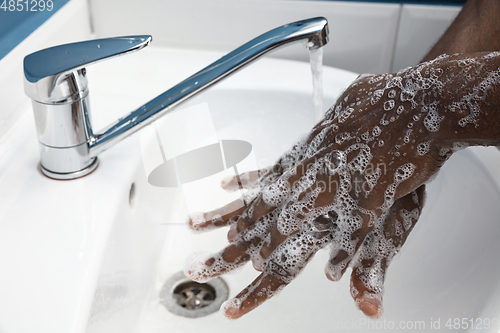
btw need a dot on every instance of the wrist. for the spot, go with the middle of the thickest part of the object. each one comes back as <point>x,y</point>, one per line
<point>475,29</point>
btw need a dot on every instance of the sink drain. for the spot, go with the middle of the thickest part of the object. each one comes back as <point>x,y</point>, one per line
<point>192,299</point>
<point>194,295</point>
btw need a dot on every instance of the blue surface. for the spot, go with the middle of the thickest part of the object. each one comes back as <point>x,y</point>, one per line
<point>15,25</point>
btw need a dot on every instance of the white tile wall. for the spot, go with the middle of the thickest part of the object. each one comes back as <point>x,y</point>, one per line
<point>362,35</point>
<point>419,29</point>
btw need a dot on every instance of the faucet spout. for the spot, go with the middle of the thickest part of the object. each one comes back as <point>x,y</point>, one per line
<point>69,147</point>
<point>313,32</point>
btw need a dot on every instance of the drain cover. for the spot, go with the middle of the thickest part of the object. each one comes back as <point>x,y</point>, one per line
<point>193,295</point>
<point>192,299</point>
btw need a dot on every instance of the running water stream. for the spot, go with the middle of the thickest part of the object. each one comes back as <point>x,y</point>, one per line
<point>316,60</point>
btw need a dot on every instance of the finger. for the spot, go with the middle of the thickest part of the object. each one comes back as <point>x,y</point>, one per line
<point>280,268</point>
<point>288,161</point>
<point>259,209</point>
<point>233,211</point>
<point>299,213</point>
<point>260,290</point>
<point>268,200</point>
<point>263,177</point>
<point>305,200</point>
<point>217,218</point>
<point>246,180</point>
<point>360,214</point>
<point>291,158</point>
<point>311,195</point>
<point>351,233</point>
<point>378,249</point>
<point>275,191</point>
<point>202,268</point>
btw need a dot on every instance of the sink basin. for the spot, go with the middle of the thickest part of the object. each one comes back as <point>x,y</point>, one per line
<point>93,254</point>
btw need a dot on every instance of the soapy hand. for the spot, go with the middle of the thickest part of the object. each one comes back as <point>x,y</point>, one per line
<point>355,182</point>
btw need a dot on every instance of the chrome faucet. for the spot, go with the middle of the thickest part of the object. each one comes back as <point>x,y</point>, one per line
<point>55,80</point>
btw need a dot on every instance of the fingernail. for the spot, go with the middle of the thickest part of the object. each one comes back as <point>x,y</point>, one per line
<point>195,220</point>
<point>257,262</point>
<point>232,234</point>
<point>231,308</point>
<point>195,269</point>
<point>370,306</point>
<point>226,180</point>
<point>333,273</point>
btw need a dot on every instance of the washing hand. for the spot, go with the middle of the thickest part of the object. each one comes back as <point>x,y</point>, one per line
<point>355,182</point>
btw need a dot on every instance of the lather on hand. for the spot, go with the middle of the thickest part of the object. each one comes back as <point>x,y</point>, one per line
<point>407,123</point>
<point>356,181</point>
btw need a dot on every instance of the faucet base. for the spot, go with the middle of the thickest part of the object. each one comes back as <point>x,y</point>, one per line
<point>71,175</point>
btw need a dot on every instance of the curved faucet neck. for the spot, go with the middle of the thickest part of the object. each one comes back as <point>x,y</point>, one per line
<point>67,159</point>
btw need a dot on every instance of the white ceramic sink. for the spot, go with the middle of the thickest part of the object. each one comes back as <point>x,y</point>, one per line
<point>92,254</point>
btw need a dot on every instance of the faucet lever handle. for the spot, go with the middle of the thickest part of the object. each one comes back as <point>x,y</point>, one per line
<point>44,70</point>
